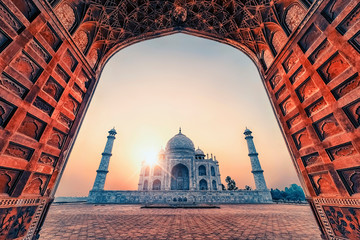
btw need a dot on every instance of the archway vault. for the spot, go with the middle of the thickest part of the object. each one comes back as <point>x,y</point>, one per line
<point>52,54</point>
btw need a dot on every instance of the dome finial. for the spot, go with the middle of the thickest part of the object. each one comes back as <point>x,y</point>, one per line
<point>247,132</point>
<point>179,129</point>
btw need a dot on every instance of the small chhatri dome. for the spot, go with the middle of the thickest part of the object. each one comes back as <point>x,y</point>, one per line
<point>162,151</point>
<point>247,131</point>
<point>112,131</point>
<point>180,142</point>
<point>199,152</point>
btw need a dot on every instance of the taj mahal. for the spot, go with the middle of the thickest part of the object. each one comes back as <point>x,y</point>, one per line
<point>182,174</point>
<point>181,167</point>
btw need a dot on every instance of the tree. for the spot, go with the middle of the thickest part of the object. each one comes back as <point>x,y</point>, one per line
<point>292,193</point>
<point>276,194</point>
<point>223,187</point>
<point>231,185</point>
<point>248,188</point>
<point>295,193</point>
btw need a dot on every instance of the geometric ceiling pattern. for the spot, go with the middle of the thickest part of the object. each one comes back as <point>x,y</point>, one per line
<point>247,22</point>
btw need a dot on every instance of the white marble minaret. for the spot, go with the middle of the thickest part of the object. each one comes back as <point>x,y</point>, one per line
<point>255,163</point>
<point>104,164</point>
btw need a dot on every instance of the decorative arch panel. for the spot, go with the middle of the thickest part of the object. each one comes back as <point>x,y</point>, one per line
<point>51,60</point>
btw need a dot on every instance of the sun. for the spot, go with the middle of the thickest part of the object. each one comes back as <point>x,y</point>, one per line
<point>151,157</point>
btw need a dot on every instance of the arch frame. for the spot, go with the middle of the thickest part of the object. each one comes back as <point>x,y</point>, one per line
<point>344,45</point>
<point>180,182</point>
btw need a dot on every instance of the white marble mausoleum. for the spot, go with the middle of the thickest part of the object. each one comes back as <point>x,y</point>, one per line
<point>182,174</point>
<point>181,167</point>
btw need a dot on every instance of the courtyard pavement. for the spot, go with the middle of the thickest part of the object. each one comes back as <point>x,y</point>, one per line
<point>88,221</point>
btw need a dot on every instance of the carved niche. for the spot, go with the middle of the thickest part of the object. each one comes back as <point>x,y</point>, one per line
<point>311,159</point>
<point>351,179</point>
<point>5,40</point>
<point>290,62</point>
<point>65,120</point>
<point>350,20</point>
<point>40,50</point>
<point>66,15</point>
<point>37,184</point>
<point>353,112</point>
<point>306,90</point>
<point>28,8</point>
<point>294,15</point>
<point>70,60</point>
<point>27,67</point>
<point>48,159</point>
<point>320,51</point>
<point>333,9</point>
<point>323,184</point>
<point>327,127</point>
<point>10,18</point>
<point>93,57</point>
<point>8,179</point>
<point>311,35</point>
<point>53,88</point>
<point>81,39</point>
<point>78,91</point>
<point>56,139</point>
<point>355,41</point>
<point>297,75</point>
<point>51,37</point>
<point>280,92</point>
<point>315,107</point>
<point>275,80</point>
<point>43,106</point>
<point>32,127</point>
<point>301,139</point>
<point>278,40</point>
<point>71,104</point>
<point>6,111</point>
<point>62,73</point>
<point>12,85</point>
<point>287,105</point>
<point>84,79</point>
<point>343,150</point>
<point>294,121</point>
<point>268,58</point>
<point>347,86</point>
<point>18,151</point>
<point>333,67</point>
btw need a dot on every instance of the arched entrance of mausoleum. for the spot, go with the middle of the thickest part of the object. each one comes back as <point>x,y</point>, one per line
<point>180,177</point>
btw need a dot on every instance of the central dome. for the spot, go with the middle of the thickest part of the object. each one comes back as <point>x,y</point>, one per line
<point>180,142</point>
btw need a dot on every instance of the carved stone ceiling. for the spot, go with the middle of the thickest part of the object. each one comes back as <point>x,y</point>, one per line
<point>242,21</point>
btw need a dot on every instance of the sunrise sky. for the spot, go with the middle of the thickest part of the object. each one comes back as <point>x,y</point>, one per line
<point>148,90</point>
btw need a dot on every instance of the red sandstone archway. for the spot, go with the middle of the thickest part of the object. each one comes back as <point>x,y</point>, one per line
<point>52,53</point>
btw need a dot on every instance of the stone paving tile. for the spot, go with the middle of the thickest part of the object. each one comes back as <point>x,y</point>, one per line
<point>235,222</point>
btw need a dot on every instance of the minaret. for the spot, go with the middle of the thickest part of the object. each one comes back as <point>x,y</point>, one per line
<point>104,164</point>
<point>255,163</point>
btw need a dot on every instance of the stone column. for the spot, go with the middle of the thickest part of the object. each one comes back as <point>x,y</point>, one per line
<point>218,176</point>
<point>141,177</point>
<point>255,163</point>
<point>104,164</point>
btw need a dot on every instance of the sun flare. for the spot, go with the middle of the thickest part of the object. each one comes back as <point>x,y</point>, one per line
<point>151,157</point>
